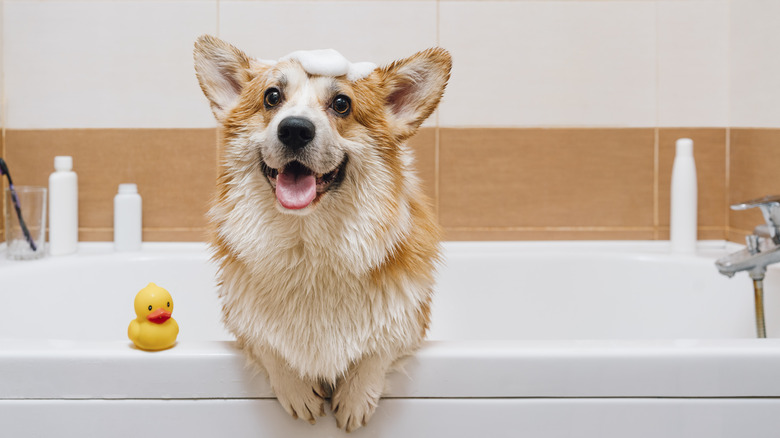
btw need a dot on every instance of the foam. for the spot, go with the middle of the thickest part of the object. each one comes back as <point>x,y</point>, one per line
<point>328,62</point>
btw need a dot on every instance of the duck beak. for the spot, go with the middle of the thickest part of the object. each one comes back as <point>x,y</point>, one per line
<point>159,316</point>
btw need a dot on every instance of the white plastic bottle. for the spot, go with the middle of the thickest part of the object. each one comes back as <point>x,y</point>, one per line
<point>684,196</point>
<point>63,207</point>
<point>127,218</point>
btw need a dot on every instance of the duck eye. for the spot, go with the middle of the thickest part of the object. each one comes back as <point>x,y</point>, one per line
<point>272,97</point>
<point>150,307</point>
<point>341,104</point>
<point>169,304</point>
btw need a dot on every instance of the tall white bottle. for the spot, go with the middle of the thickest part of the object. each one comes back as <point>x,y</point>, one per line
<point>684,196</point>
<point>63,207</point>
<point>127,218</point>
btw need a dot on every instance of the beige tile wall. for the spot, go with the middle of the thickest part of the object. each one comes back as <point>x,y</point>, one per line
<point>556,63</point>
<point>754,67</point>
<point>559,121</point>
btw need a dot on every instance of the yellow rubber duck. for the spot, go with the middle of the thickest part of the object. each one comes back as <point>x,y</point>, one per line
<point>153,329</point>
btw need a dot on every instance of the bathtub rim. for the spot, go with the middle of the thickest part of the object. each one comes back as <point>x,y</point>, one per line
<point>440,369</point>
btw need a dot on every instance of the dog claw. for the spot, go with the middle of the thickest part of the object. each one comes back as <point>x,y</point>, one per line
<point>351,418</point>
<point>302,405</point>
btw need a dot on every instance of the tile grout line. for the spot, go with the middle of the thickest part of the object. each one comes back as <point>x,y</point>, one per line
<point>436,152</point>
<point>727,195</point>
<point>656,184</point>
<point>556,228</point>
<point>436,135</point>
<point>656,134</point>
<point>217,142</point>
<point>217,18</point>
<point>101,229</point>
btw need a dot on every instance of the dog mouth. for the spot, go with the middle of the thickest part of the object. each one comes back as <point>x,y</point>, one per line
<point>297,186</point>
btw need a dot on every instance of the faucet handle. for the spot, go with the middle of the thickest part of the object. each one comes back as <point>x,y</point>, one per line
<point>770,209</point>
<point>772,200</point>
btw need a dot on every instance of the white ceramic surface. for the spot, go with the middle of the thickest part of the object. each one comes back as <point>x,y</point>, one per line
<point>605,334</point>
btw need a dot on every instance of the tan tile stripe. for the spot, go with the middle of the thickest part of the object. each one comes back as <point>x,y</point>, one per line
<point>175,170</point>
<point>3,183</point>
<point>486,183</point>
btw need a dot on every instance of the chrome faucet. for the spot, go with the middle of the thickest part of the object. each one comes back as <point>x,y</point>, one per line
<point>761,250</point>
<point>762,247</point>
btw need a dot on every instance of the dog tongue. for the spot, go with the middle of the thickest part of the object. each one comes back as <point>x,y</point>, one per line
<point>295,190</point>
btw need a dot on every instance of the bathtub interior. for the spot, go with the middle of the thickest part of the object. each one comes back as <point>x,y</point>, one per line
<point>495,291</point>
<point>556,292</point>
<point>89,296</point>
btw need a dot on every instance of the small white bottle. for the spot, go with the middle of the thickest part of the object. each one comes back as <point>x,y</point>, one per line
<point>127,218</point>
<point>63,207</point>
<point>684,199</point>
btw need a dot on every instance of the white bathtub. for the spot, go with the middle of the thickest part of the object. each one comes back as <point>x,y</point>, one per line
<point>563,339</point>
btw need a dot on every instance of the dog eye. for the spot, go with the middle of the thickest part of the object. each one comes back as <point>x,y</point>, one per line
<point>272,97</point>
<point>341,104</point>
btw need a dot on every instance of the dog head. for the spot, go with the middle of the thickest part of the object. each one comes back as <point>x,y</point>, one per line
<point>312,123</point>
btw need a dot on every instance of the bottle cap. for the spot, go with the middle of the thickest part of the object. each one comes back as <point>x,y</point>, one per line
<point>128,189</point>
<point>63,163</point>
<point>684,147</point>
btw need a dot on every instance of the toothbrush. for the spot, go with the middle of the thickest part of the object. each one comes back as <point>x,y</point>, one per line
<point>17,205</point>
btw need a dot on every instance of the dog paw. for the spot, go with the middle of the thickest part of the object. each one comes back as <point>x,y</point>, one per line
<point>354,406</point>
<point>302,399</point>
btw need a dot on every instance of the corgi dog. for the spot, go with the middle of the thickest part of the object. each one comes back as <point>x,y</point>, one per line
<point>326,245</point>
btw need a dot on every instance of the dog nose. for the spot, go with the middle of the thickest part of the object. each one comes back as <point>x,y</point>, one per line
<point>295,132</point>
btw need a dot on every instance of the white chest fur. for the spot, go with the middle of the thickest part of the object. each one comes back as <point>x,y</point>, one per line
<point>319,317</point>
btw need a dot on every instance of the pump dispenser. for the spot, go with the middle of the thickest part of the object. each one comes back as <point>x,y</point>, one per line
<point>684,199</point>
<point>127,218</point>
<point>63,207</point>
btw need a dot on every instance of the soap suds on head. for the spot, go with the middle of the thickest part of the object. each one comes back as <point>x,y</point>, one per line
<point>360,70</point>
<point>329,62</point>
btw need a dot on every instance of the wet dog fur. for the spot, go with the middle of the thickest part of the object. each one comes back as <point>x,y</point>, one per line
<point>328,297</point>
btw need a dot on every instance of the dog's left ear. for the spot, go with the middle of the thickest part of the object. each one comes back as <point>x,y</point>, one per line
<point>415,86</point>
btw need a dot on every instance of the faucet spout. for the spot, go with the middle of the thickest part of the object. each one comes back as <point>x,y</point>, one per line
<point>744,260</point>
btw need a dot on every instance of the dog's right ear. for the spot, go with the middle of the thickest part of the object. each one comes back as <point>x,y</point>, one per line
<point>223,71</point>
